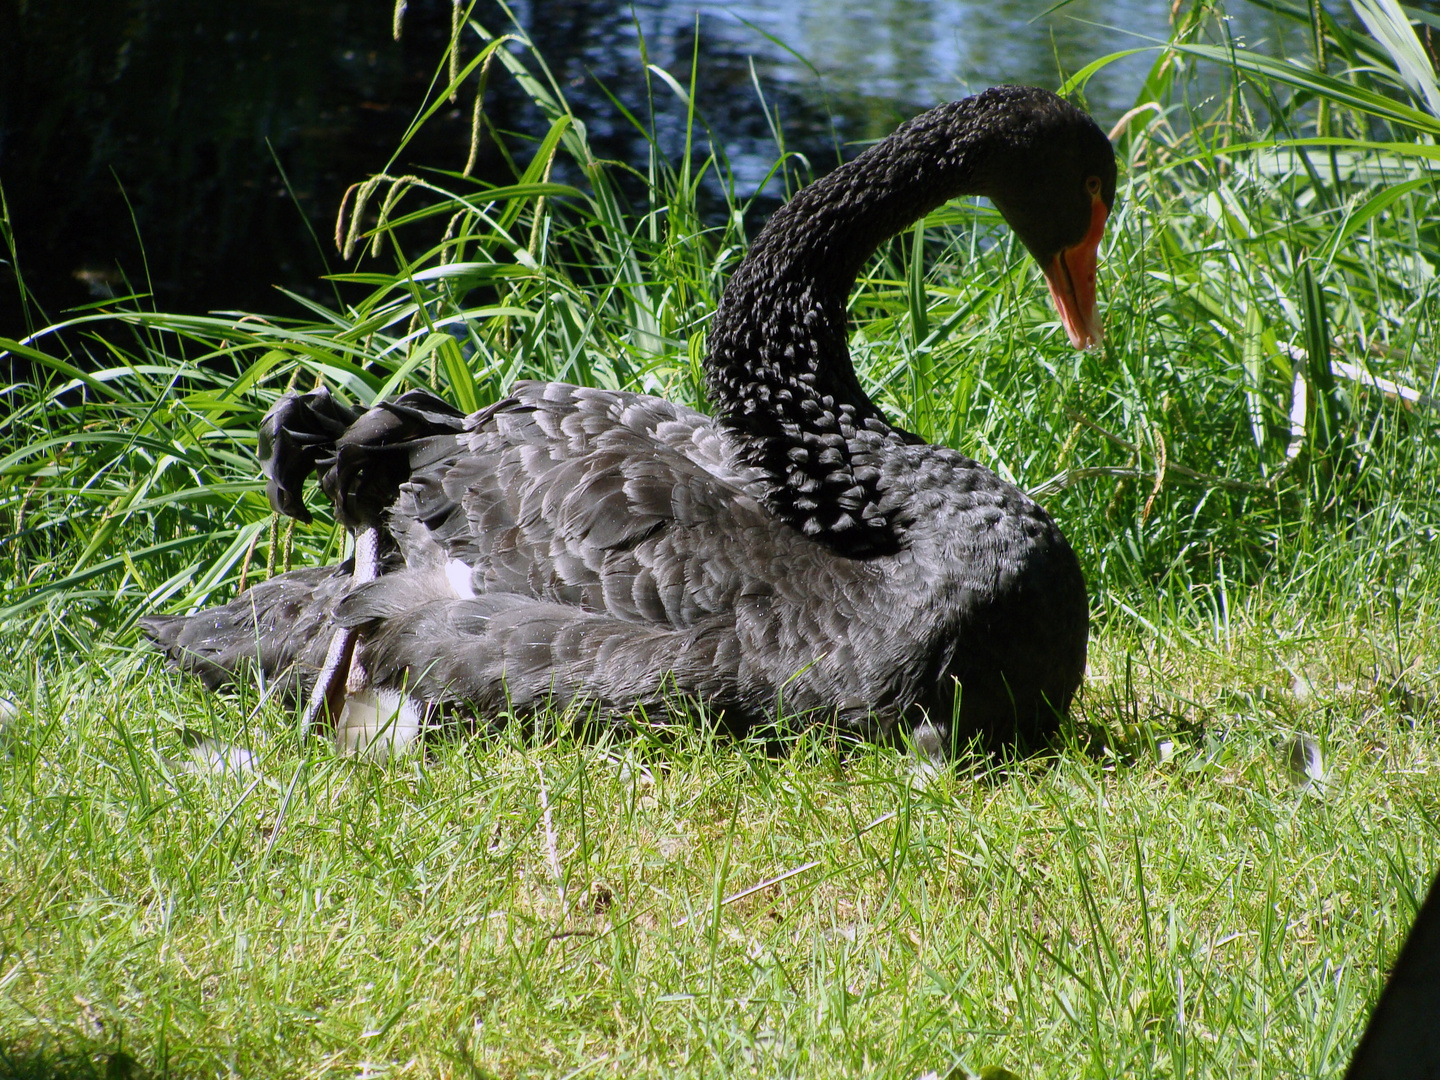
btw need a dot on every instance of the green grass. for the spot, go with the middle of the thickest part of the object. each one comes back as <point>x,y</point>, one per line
<point>1257,570</point>
<point>1085,915</point>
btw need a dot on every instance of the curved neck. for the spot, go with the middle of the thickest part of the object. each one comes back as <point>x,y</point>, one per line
<point>779,369</point>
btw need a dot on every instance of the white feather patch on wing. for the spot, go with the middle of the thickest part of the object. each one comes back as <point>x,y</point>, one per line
<point>459,575</point>
<point>377,724</point>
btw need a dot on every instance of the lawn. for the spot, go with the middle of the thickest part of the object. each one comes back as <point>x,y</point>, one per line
<point>1168,898</point>
<point>1207,876</point>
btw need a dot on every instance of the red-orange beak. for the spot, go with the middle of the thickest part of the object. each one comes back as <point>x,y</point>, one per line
<point>1071,277</point>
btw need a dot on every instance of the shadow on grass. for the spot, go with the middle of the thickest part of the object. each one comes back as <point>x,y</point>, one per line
<point>29,1064</point>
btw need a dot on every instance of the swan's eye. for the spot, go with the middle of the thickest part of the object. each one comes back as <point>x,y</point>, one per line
<point>1093,186</point>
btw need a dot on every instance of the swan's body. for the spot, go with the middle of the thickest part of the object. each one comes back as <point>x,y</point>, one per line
<point>571,545</point>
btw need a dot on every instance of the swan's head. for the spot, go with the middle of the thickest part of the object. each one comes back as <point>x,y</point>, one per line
<point>1052,177</point>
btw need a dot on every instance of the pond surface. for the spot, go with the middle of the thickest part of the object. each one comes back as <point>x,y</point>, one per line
<point>198,151</point>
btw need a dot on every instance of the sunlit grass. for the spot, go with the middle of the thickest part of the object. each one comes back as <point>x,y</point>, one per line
<point>1136,910</point>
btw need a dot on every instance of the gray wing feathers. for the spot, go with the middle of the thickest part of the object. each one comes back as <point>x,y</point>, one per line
<point>609,542</point>
<point>280,628</point>
<point>608,538</point>
<point>612,548</point>
<point>611,502</point>
<point>502,651</point>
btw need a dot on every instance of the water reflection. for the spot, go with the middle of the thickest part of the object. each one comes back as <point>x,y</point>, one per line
<point>171,120</point>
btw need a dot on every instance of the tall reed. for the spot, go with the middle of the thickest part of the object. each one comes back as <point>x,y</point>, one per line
<point>1262,410</point>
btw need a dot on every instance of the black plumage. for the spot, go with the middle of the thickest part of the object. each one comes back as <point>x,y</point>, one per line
<point>797,551</point>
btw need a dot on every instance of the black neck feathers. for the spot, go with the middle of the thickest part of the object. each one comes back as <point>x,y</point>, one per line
<point>779,368</point>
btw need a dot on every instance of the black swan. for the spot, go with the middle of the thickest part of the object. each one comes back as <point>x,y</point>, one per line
<point>795,553</point>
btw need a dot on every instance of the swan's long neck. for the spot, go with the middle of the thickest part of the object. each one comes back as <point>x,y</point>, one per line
<point>779,368</point>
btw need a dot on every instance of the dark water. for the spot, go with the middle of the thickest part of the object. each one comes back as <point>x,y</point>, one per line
<point>196,150</point>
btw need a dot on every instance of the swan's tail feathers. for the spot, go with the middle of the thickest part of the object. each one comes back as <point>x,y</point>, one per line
<point>360,457</point>
<point>276,632</point>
